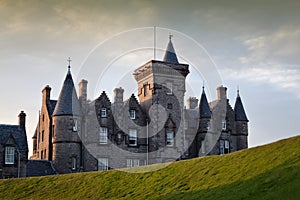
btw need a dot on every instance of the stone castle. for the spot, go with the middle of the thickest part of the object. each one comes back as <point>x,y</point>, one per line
<point>76,134</point>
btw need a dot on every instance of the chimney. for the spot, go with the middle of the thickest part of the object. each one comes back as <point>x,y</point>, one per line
<point>192,103</point>
<point>83,92</point>
<point>46,94</point>
<point>221,91</point>
<point>118,95</point>
<point>22,119</point>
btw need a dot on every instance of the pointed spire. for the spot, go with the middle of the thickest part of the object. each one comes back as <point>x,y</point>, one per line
<point>170,55</point>
<point>240,114</point>
<point>204,109</point>
<point>67,103</point>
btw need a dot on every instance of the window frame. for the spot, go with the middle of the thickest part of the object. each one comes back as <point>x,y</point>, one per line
<point>170,143</point>
<point>132,136</point>
<point>9,155</point>
<point>169,87</point>
<point>132,114</point>
<point>74,163</point>
<point>103,133</point>
<point>103,112</point>
<point>102,164</point>
<point>75,125</point>
<point>224,125</point>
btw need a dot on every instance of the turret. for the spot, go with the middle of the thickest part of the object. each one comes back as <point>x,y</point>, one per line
<point>241,122</point>
<point>67,129</point>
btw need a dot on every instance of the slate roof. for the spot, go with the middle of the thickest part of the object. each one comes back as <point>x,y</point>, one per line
<point>170,55</point>
<point>204,109</point>
<point>67,103</point>
<point>52,106</point>
<point>240,114</point>
<point>40,168</point>
<point>17,133</point>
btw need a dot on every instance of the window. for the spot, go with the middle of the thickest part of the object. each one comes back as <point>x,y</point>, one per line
<point>169,106</point>
<point>223,125</point>
<point>103,112</point>
<point>43,136</point>
<point>102,164</point>
<point>132,137</point>
<point>170,138</point>
<point>169,88</point>
<point>9,155</point>
<point>74,163</point>
<point>75,125</point>
<point>224,146</point>
<point>42,154</point>
<point>103,135</point>
<point>202,147</point>
<point>45,153</point>
<point>145,90</point>
<point>208,125</point>
<point>132,163</point>
<point>132,113</point>
<point>43,117</point>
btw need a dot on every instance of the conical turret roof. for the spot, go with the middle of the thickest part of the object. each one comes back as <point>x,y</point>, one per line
<point>170,55</point>
<point>67,103</point>
<point>204,109</point>
<point>240,114</point>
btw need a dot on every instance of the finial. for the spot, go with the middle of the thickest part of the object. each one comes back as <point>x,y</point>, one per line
<point>69,67</point>
<point>170,36</point>
<point>238,91</point>
<point>203,87</point>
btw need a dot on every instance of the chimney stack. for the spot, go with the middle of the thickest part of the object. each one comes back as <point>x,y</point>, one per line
<point>192,103</point>
<point>221,91</point>
<point>118,95</point>
<point>46,94</point>
<point>83,92</point>
<point>22,119</point>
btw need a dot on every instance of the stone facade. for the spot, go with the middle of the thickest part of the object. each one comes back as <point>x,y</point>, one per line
<point>13,149</point>
<point>81,135</point>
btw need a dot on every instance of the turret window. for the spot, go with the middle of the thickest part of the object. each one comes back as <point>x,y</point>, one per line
<point>74,163</point>
<point>103,135</point>
<point>132,139</point>
<point>170,138</point>
<point>75,125</point>
<point>169,88</point>
<point>9,155</point>
<point>103,112</point>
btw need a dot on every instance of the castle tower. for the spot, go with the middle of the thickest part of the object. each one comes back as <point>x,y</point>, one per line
<point>241,122</point>
<point>67,118</point>
<point>161,90</point>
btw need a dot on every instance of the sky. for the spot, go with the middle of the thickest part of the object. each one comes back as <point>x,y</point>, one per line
<point>253,45</point>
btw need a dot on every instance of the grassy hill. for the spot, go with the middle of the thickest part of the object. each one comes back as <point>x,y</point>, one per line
<point>266,172</point>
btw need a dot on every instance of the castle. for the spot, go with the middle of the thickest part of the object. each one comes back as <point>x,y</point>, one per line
<point>76,134</point>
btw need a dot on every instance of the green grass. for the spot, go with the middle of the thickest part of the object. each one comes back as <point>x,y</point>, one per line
<point>266,172</point>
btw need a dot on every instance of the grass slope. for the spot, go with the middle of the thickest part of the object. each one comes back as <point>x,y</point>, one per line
<point>266,172</point>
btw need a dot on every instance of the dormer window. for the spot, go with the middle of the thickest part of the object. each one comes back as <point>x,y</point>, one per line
<point>103,112</point>
<point>9,155</point>
<point>132,113</point>
<point>224,125</point>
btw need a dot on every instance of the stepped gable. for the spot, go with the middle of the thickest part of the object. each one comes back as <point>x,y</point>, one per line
<point>16,133</point>
<point>67,103</point>
<point>204,110</point>
<point>170,55</point>
<point>40,168</point>
<point>240,114</point>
